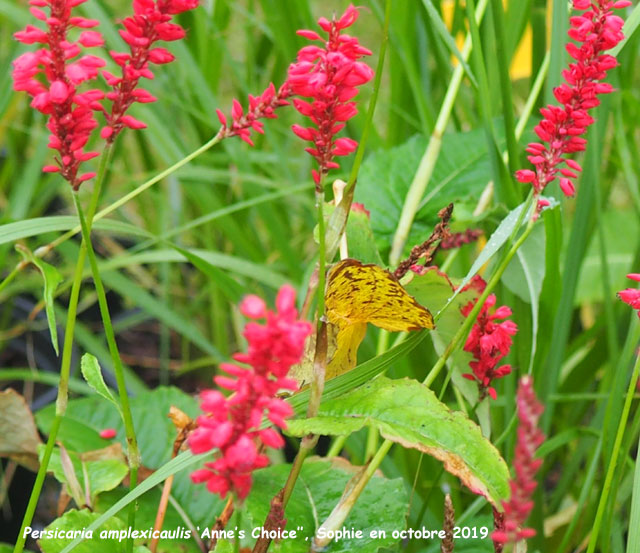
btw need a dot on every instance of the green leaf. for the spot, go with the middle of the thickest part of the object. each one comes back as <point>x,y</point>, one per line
<point>408,413</point>
<point>446,37</point>
<point>156,433</point>
<point>360,240</point>
<point>51,278</point>
<point>183,461</point>
<point>104,468</point>
<point>524,277</point>
<point>224,546</point>
<point>146,510</point>
<point>319,487</point>
<point>460,176</point>
<point>93,375</point>
<point>79,520</point>
<point>40,225</point>
<point>149,411</point>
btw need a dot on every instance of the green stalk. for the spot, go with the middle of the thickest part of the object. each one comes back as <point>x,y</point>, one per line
<point>133,452</point>
<point>65,363</point>
<point>428,161</point>
<point>505,84</point>
<point>614,458</point>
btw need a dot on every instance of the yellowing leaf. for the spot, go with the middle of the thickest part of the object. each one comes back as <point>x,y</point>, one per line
<point>358,293</point>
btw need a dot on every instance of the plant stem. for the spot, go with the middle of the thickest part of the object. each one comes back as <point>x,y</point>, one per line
<point>428,161</point>
<point>65,362</point>
<point>133,452</point>
<point>604,497</point>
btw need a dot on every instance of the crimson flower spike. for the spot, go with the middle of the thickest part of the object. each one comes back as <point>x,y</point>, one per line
<point>260,107</point>
<point>232,424</point>
<point>329,75</point>
<point>150,23</point>
<point>489,341</point>
<point>516,511</point>
<point>52,75</point>
<point>595,31</point>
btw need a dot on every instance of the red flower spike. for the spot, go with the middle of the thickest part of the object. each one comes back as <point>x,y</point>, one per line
<point>149,24</point>
<point>261,107</point>
<point>52,75</point>
<point>232,424</point>
<point>328,75</point>
<point>595,31</point>
<point>631,295</point>
<point>530,437</point>
<point>489,341</point>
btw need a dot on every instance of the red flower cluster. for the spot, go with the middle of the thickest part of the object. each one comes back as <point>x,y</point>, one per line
<point>51,77</point>
<point>631,295</point>
<point>597,29</point>
<point>233,424</point>
<point>260,107</point>
<point>489,341</point>
<point>330,76</point>
<point>150,23</point>
<point>517,509</point>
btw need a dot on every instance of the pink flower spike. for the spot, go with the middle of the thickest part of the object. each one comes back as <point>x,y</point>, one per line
<point>594,31</point>
<point>634,276</point>
<point>489,341</point>
<point>233,424</point>
<point>52,79</point>
<point>108,433</point>
<point>530,437</point>
<point>329,74</point>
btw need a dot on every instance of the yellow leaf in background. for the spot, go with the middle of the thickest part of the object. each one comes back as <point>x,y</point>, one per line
<point>358,293</point>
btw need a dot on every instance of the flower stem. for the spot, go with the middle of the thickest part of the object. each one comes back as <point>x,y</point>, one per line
<point>133,452</point>
<point>65,362</point>
<point>613,461</point>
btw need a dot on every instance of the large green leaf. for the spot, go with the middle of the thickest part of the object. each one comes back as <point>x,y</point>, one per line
<point>461,173</point>
<point>79,520</point>
<point>408,413</point>
<point>318,489</point>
